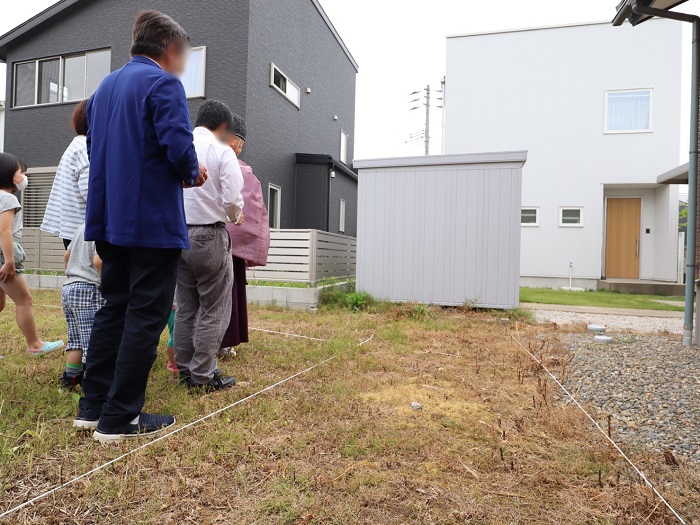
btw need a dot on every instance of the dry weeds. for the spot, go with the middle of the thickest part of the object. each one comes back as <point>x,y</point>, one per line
<point>493,443</point>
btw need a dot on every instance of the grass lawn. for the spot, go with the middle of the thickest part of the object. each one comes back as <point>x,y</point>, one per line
<point>341,445</point>
<point>602,298</point>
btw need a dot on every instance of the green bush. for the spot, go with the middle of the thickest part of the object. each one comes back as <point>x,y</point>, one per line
<point>335,296</point>
<point>358,301</point>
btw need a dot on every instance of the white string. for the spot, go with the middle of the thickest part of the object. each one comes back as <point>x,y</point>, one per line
<point>289,335</point>
<point>160,438</point>
<point>366,340</point>
<point>612,442</point>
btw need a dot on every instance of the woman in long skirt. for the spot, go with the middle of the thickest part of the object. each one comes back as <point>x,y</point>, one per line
<point>250,243</point>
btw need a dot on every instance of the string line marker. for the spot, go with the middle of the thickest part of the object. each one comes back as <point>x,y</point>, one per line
<point>160,438</point>
<point>597,425</point>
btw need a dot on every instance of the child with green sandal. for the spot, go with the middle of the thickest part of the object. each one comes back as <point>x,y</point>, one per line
<point>13,178</point>
<point>81,298</point>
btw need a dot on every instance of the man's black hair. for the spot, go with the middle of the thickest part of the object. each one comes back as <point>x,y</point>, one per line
<point>212,114</point>
<point>8,167</point>
<point>153,32</point>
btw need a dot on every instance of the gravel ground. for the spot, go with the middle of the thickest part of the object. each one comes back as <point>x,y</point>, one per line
<point>650,385</point>
<point>647,325</point>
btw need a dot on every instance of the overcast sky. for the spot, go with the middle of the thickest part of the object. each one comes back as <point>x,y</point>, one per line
<point>400,46</point>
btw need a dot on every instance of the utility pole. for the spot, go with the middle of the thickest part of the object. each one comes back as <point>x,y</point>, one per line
<point>425,135</point>
<point>427,120</point>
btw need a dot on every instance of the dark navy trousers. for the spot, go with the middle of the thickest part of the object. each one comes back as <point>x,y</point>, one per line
<point>138,285</point>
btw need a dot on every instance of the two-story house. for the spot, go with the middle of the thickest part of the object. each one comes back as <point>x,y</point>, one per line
<point>598,109</point>
<point>280,65</point>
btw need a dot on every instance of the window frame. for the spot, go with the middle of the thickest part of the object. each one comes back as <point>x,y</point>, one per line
<point>203,79</point>
<point>273,67</point>
<point>562,224</point>
<point>278,205</point>
<point>537,217</point>
<point>606,131</point>
<point>344,141</point>
<point>61,84</point>
<point>341,222</point>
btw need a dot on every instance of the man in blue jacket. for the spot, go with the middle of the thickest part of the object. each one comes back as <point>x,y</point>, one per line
<point>141,156</point>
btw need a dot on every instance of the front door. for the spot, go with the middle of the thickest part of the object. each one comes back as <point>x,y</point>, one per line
<point>622,238</point>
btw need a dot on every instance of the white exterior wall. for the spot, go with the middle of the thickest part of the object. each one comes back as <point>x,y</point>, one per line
<point>544,91</point>
<point>441,230</point>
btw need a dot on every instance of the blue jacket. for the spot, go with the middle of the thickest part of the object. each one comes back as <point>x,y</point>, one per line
<point>141,150</point>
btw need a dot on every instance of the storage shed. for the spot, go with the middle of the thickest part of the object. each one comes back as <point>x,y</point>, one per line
<point>441,229</point>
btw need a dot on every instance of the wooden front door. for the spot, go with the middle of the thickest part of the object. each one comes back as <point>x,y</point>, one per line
<point>622,238</point>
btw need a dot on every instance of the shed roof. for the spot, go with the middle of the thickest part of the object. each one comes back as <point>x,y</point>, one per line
<point>60,7</point>
<point>505,157</point>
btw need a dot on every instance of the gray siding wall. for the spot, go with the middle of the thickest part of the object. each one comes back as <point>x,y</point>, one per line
<point>312,196</point>
<point>449,235</point>
<point>40,135</point>
<point>293,35</point>
<point>343,187</point>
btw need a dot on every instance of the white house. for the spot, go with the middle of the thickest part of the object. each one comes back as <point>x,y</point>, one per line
<point>599,110</point>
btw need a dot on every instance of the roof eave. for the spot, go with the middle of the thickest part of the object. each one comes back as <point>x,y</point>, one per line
<point>677,175</point>
<point>337,36</point>
<point>323,159</point>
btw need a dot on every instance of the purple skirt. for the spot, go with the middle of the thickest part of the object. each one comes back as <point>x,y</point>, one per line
<point>237,332</point>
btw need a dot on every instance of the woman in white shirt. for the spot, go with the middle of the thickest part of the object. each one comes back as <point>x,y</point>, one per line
<point>65,211</point>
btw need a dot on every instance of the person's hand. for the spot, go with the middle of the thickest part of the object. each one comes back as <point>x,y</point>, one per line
<point>8,272</point>
<point>240,221</point>
<point>203,177</point>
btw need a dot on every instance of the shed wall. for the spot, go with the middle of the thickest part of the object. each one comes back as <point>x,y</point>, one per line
<point>445,235</point>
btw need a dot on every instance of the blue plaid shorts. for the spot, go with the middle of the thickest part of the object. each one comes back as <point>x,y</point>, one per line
<point>80,301</point>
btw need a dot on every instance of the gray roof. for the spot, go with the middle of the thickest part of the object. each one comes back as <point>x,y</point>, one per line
<point>60,7</point>
<point>505,157</point>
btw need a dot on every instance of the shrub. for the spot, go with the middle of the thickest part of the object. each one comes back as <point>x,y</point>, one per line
<point>358,301</point>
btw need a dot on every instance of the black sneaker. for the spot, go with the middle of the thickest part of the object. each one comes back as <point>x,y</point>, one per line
<point>144,425</point>
<point>218,382</point>
<point>185,378</point>
<point>71,382</point>
<point>86,419</point>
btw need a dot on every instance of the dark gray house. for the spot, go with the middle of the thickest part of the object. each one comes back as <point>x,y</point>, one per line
<point>279,64</point>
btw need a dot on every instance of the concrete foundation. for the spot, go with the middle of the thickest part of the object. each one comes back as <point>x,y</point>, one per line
<point>642,287</point>
<point>556,283</point>
<point>292,298</point>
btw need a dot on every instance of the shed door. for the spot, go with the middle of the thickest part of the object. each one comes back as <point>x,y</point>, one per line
<point>622,238</point>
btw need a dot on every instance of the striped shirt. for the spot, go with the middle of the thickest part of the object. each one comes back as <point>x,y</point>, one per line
<point>65,211</point>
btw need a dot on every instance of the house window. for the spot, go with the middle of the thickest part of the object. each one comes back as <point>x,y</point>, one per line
<point>283,85</point>
<point>628,111</point>
<point>341,226</point>
<point>344,147</point>
<point>571,217</point>
<point>60,79</point>
<point>49,73</point>
<point>194,77</point>
<point>530,217</point>
<point>274,205</point>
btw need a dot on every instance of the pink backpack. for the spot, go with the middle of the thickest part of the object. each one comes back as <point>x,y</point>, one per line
<point>251,241</point>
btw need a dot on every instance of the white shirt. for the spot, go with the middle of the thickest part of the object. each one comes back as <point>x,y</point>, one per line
<point>65,211</point>
<point>219,199</point>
